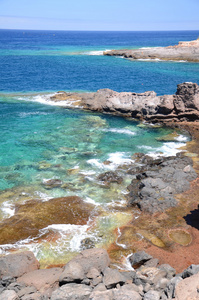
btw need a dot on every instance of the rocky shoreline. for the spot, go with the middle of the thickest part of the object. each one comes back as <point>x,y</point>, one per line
<point>162,223</point>
<point>182,106</point>
<point>89,276</point>
<point>184,51</point>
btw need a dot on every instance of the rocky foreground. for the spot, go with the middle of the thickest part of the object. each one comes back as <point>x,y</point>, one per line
<point>184,51</point>
<point>88,276</point>
<point>182,106</point>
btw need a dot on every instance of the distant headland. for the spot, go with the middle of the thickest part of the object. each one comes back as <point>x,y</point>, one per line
<point>184,51</point>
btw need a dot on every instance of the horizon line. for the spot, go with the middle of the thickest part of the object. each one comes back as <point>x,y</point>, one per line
<point>76,30</point>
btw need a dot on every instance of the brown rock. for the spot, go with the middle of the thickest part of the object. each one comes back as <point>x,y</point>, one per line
<point>187,289</point>
<point>35,215</point>
<point>45,280</point>
<point>17,264</point>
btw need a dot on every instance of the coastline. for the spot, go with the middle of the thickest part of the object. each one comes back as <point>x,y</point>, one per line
<point>155,228</point>
<point>118,104</point>
<point>184,51</point>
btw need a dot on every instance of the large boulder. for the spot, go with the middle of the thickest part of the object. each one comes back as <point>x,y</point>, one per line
<point>45,280</point>
<point>78,268</point>
<point>17,264</point>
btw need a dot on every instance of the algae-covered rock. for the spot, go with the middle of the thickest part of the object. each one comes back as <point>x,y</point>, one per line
<point>180,236</point>
<point>35,215</point>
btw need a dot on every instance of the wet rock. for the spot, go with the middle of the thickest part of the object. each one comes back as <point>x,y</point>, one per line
<point>139,258</point>
<point>87,243</point>
<point>52,183</point>
<point>72,291</point>
<point>110,177</point>
<point>35,215</point>
<point>17,264</point>
<point>112,277</point>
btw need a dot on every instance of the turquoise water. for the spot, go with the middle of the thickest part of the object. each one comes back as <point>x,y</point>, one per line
<point>41,142</point>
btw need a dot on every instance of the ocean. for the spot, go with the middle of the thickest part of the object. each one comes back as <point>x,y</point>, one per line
<point>42,142</point>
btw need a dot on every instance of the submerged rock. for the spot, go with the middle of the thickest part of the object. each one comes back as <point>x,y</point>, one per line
<point>35,215</point>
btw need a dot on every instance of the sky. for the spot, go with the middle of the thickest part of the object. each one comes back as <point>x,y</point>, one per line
<point>125,15</point>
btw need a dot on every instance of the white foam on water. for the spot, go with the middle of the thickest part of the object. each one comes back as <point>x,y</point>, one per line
<point>120,131</point>
<point>8,209</point>
<point>168,149</point>
<point>91,201</point>
<point>119,235</point>
<point>181,138</point>
<point>145,147</point>
<point>97,52</point>
<point>119,158</point>
<point>115,159</point>
<point>45,99</point>
<point>127,263</point>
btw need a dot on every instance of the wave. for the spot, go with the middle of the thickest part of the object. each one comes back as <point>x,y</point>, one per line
<point>120,131</point>
<point>95,52</point>
<point>45,99</point>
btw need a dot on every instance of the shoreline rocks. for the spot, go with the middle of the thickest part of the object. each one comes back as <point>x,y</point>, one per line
<point>182,106</point>
<point>158,180</point>
<point>89,276</point>
<point>184,51</point>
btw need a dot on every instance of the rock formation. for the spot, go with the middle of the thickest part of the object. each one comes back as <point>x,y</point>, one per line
<point>186,51</point>
<point>182,106</point>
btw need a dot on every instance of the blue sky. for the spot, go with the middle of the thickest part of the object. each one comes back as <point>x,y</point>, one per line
<point>100,15</point>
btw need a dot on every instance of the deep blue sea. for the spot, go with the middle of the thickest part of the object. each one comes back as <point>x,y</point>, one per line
<point>41,141</point>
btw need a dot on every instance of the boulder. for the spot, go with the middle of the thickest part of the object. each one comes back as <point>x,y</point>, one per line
<point>17,264</point>
<point>187,288</point>
<point>44,280</point>
<point>139,258</point>
<point>72,291</point>
<point>78,268</point>
<point>9,295</point>
<point>112,277</point>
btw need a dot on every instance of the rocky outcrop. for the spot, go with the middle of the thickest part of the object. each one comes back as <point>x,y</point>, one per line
<point>182,106</point>
<point>158,180</point>
<point>89,277</point>
<point>187,51</point>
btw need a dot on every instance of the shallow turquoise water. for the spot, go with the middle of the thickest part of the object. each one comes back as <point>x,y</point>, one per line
<point>41,142</point>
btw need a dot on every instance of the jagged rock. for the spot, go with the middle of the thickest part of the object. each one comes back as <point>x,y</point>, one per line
<point>171,272</point>
<point>139,258</point>
<point>78,267</point>
<point>182,106</point>
<point>191,270</point>
<point>112,277</point>
<point>109,177</point>
<point>17,264</point>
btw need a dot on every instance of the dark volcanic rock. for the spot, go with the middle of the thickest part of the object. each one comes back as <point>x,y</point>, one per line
<point>154,189</point>
<point>110,177</point>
